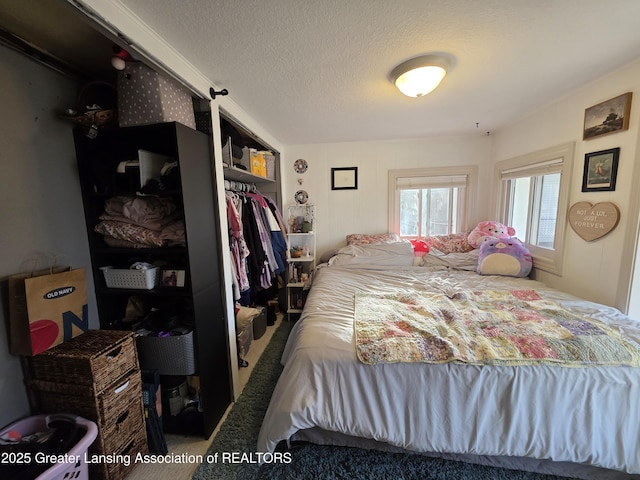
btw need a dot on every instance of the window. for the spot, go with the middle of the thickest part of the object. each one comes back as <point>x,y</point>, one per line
<point>426,202</point>
<point>537,195</point>
<point>428,211</point>
<point>534,192</point>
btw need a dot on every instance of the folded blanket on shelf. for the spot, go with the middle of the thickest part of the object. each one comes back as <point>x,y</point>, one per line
<point>151,212</point>
<point>171,235</point>
<point>118,243</point>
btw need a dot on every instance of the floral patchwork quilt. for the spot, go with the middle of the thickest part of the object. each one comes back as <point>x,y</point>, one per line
<point>488,327</point>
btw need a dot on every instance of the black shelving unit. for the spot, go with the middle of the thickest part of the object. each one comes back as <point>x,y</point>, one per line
<point>202,298</point>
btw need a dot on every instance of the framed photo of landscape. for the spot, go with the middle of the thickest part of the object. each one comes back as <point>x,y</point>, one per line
<point>607,117</point>
<point>600,170</point>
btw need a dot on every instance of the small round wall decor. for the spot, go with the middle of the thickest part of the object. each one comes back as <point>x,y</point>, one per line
<point>301,197</point>
<point>300,165</point>
<point>591,222</point>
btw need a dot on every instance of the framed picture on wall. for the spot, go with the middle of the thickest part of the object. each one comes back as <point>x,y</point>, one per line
<point>345,178</point>
<point>607,117</point>
<point>600,170</point>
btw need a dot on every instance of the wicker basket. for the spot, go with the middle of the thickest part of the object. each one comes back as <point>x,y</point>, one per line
<point>104,408</point>
<point>95,359</point>
<point>131,278</point>
<point>118,470</point>
<point>119,429</point>
<point>95,375</point>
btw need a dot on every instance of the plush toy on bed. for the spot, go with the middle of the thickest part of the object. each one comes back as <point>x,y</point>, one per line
<point>420,249</point>
<point>504,256</point>
<point>489,229</point>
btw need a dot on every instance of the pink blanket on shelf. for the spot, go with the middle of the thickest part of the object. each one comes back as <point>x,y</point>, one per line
<point>149,212</point>
<point>172,234</point>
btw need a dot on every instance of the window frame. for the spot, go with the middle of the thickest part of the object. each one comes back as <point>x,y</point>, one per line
<point>466,212</point>
<point>549,160</point>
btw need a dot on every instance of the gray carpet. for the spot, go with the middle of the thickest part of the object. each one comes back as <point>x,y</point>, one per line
<point>239,434</point>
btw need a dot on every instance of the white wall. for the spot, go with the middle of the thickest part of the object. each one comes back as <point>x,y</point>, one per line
<point>341,212</point>
<point>631,261</point>
<point>40,203</point>
<point>597,270</point>
<point>634,300</point>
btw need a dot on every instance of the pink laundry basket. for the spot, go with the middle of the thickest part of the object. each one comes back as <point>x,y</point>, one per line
<point>76,470</point>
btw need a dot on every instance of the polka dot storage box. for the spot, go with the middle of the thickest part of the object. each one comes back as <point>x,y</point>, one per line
<point>146,97</point>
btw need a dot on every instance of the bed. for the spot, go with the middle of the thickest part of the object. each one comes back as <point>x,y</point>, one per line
<point>578,420</point>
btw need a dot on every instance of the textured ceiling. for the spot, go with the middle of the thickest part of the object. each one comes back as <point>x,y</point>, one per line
<point>316,70</point>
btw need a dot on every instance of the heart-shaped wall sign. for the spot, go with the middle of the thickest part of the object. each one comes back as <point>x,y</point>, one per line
<point>591,222</point>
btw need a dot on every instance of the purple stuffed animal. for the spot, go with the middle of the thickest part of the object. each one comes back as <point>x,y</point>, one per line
<point>500,256</point>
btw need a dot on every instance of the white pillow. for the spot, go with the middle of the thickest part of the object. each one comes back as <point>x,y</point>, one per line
<point>326,256</point>
<point>380,255</point>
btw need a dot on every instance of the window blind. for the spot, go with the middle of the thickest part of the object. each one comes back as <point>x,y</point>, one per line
<point>439,181</point>
<point>542,168</point>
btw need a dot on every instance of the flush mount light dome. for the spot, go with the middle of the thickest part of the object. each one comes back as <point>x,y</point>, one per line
<point>420,75</point>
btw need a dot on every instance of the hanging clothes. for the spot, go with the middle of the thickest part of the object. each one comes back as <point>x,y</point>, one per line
<point>260,209</point>
<point>257,257</point>
<point>237,244</point>
<point>278,239</point>
<point>257,239</point>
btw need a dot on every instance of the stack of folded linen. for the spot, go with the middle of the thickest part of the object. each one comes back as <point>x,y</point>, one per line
<point>141,222</point>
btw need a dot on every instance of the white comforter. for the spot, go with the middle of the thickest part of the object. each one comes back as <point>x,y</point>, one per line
<point>585,415</point>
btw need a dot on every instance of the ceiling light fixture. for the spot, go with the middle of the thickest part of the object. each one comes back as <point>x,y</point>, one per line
<point>420,75</point>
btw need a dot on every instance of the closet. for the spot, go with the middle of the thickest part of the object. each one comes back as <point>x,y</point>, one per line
<point>239,180</point>
<point>257,229</point>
